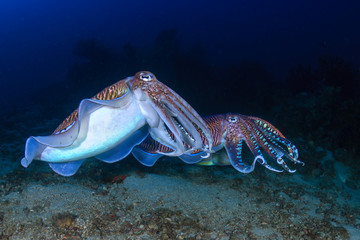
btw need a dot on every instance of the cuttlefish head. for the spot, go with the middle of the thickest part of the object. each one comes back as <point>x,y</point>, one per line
<point>261,137</point>
<point>173,122</point>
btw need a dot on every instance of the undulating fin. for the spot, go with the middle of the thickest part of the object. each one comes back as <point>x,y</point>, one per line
<point>193,158</point>
<point>219,158</point>
<point>66,169</point>
<point>124,148</point>
<point>33,148</point>
<point>148,156</point>
<point>116,91</point>
<point>145,158</point>
<point>25,163</point>
<point>206,162</point>
<point>35,145</point>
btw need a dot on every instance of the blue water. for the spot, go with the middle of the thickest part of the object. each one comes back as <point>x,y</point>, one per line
<point>294,64</point>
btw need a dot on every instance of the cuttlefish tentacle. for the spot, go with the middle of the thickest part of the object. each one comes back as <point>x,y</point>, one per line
<point>270,139</point>
<point>274,136</point>
<point>236,132</point>
<point>178,116</point>
<point>108,126</point>
<point>192,139</point>
<point>161,133</point>
<point>230,131</point>
<point>194,117</point>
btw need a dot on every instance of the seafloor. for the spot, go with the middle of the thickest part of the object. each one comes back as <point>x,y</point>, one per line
<point>172,200</point>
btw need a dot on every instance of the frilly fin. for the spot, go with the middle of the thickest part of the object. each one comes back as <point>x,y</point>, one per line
<point>145,158</point>
<point>124,148</point>
<point>35,145</point>
<point>66,169</point>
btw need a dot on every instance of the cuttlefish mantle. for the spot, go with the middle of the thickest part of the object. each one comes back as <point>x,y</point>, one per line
<point>108,126</point>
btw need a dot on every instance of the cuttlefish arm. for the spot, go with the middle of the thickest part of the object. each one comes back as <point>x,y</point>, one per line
<point>264,141</point>
<point>108,125</point>
<point>229,131</point>
<point>147,152</point>
<point>181,128</point>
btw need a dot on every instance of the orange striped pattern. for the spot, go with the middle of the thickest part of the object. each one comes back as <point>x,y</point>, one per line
<point>114,91</point>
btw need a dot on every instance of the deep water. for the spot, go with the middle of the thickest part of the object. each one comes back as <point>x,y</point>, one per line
<point>314,101</point>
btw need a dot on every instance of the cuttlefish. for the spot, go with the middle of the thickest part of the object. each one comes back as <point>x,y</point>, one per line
<point>108,126</point>
<point>229,132</point>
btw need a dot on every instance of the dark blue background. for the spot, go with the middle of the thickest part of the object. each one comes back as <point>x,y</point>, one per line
<point>37,38</point>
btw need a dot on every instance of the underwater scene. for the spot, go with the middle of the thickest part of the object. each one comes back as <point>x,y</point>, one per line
<point>179,120</point>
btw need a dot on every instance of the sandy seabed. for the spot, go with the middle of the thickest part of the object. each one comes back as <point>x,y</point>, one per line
<point>173,200</point>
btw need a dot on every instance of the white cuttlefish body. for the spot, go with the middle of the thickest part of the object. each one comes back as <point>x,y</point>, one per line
<point>107,128</point>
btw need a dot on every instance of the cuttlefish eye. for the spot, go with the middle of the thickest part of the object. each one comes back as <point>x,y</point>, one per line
<point>146,76</point>
<point>232,119</point>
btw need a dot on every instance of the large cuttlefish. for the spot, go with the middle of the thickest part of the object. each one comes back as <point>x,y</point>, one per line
<point>108,126</point>
<point>228,132</point>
